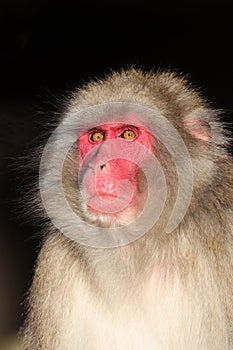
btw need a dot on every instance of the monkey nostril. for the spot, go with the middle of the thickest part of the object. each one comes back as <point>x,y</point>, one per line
<point>102,166</point>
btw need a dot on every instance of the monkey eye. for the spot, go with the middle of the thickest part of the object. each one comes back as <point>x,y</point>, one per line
<point>128,135</point>
<point>96,136</point>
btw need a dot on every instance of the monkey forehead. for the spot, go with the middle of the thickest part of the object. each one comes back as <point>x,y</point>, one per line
<point>115,124</point>
<point>114,127</point>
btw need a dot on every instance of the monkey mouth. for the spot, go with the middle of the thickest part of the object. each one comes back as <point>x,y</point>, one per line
<point>108,203</point>
<point>107,197</point>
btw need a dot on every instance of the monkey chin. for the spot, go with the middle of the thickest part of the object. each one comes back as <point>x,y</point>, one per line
<point>110,211</point>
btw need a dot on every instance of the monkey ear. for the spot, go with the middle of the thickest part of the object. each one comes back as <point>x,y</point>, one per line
<point>198,128</point>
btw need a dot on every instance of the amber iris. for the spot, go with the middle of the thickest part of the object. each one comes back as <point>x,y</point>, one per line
<point>97,136</point>
<point>128,135</point>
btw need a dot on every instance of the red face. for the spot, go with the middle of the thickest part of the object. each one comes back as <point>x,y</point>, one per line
<point>109,157</point>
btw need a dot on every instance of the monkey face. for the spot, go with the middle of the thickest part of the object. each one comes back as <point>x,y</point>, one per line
<point>110,161</point>
<point>112,172</point>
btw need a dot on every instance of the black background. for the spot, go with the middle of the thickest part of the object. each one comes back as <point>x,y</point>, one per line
<point>48,47</point>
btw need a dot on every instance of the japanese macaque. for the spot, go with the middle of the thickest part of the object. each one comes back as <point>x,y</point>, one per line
<point>138,186</point>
